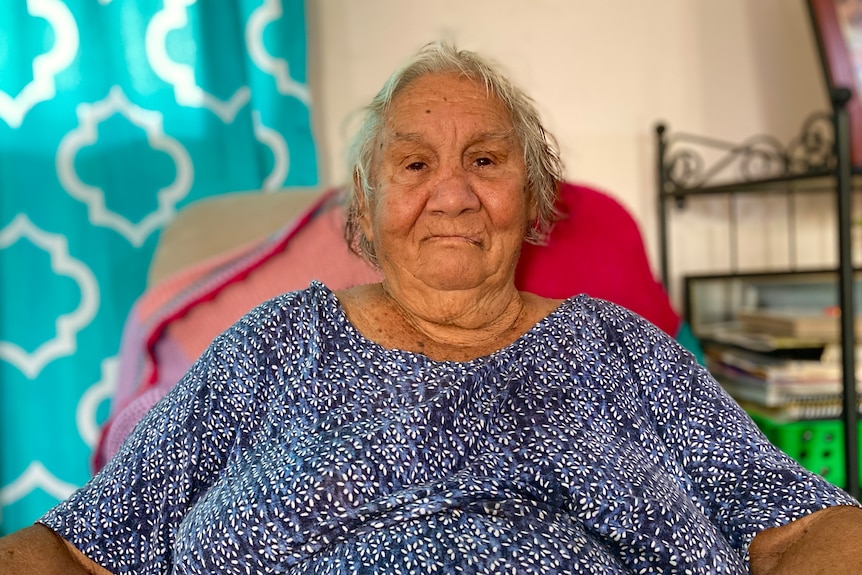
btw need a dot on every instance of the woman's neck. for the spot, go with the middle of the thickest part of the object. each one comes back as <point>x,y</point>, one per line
<point>458,317</point>
<point>444,326</point>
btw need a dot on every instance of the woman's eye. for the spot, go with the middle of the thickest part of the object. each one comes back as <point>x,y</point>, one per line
<point>415,166</point>
<point>483,161</point>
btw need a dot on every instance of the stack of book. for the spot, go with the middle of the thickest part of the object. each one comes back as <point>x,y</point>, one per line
<point>808,325</point>
<point>781,364</point>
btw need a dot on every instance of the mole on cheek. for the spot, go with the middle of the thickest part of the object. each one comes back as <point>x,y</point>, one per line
<point>427,111</point>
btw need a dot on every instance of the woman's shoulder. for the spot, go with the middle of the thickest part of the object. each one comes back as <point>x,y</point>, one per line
<point>317,294</point>
<point>586,305</point>
<point>580,307</point>
<point>289,310</point>
<point>598,318</point>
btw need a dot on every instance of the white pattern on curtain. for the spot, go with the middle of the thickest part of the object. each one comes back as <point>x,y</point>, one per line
<point>113,115</point>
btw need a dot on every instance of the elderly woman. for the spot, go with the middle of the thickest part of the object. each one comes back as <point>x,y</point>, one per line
<point>441,421</point>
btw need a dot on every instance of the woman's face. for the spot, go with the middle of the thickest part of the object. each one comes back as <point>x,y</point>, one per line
<point>451,208</point>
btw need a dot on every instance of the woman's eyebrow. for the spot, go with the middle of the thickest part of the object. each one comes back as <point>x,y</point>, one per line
<point>406,136</point>
<point>496,135</point>
<point>416,137</point>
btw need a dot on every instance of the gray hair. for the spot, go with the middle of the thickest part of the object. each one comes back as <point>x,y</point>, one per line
<point>541,155</point>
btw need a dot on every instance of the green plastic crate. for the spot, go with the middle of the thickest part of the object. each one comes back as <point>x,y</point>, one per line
<point>818,445</point>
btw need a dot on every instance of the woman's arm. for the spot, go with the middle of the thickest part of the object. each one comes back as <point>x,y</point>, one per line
<point>827,541</point>
<point>37,550</point>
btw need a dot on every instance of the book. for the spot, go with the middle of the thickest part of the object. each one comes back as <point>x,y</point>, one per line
<point>731,333</point>
<point>802,410</point>
<point>801,388</point>
<point>805,324</point>
<point>775,370</point>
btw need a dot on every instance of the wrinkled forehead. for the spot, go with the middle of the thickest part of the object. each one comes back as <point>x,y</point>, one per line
<point>446,88</point>
<point>445,101</point>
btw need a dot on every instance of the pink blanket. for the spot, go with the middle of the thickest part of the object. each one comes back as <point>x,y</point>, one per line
<point>172,323</point>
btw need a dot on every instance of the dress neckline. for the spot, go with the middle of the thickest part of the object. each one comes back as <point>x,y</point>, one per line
<point>527,338</point>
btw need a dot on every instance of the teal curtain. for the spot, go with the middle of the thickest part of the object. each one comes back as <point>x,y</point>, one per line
<point>113,115</point>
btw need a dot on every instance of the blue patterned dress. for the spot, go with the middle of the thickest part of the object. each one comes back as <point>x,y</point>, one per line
<point>592,444</point>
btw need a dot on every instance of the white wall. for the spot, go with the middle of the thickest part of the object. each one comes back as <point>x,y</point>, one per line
<point>603,73</point>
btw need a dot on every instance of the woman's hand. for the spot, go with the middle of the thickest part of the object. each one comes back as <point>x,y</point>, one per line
<point>828,541</point>
<point>38,550</point>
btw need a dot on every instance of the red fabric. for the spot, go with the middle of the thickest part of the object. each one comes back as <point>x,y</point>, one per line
<point>597,248</point>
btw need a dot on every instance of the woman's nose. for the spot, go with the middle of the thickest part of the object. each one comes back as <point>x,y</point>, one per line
<point>452,193</point>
